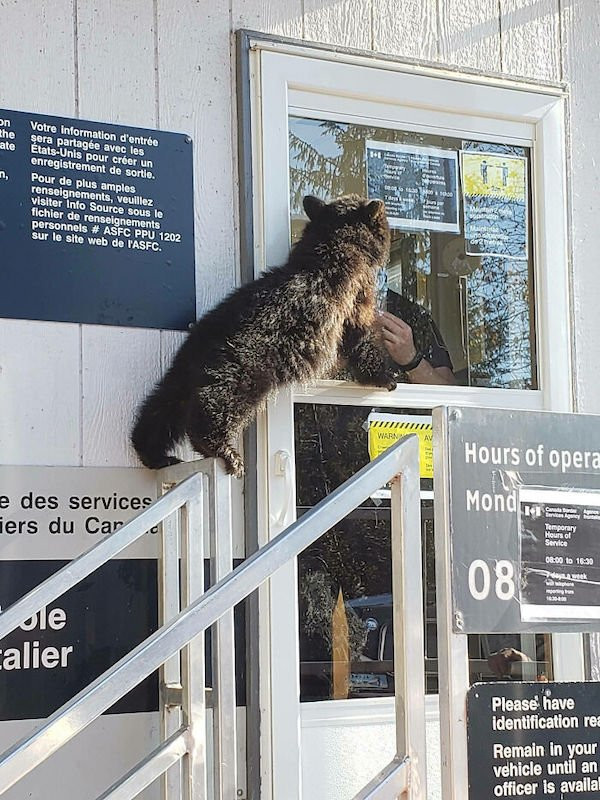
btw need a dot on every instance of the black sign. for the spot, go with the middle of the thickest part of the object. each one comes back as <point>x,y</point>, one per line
<point>56,653</point>
<point>96,223</point>
<point>493,457</point>
<point>534,740</point>
<point>560,553</point>
<point>62,649</point>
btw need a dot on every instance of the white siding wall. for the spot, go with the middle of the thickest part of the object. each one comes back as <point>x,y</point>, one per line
<point>67,391</point>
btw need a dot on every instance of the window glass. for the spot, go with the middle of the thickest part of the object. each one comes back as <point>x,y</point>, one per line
<point>345,578</point>
<point>482,305</point>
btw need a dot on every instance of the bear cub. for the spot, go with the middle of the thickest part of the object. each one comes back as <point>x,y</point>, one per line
<point>295,323</point>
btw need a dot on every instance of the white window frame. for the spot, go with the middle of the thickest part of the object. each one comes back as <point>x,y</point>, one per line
<point>287,78</point>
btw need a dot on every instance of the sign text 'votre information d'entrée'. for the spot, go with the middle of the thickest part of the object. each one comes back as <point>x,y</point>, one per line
<point>96,222</point>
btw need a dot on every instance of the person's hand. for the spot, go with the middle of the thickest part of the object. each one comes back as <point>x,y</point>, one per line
<point>397,337</point>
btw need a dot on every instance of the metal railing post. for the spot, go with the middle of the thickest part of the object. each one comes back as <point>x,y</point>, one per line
<point>223,641</point>
<point>169,672</point>
<point>407,593</point>
<point>453,656</point>
<point>193,679</point>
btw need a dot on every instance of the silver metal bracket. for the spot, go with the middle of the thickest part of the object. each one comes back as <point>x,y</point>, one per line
<point>171,694</point>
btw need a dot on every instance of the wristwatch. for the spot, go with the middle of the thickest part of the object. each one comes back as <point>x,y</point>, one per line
<point>413,363</point>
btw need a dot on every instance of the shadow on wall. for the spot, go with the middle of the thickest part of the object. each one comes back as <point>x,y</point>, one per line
<point>471,26</point>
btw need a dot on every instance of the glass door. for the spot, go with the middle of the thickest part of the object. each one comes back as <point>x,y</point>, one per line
<point>477,306</point>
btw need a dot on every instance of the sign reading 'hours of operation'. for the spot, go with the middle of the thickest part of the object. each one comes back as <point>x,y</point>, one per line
<point>96,222</point>
<point>524,519</point>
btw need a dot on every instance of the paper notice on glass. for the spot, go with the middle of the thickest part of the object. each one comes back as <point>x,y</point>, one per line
<point>495,204</point>
<point>559,536</point>
<point>419,185</point>
<point>386,429</point>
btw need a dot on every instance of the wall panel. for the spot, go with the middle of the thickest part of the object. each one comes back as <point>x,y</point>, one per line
<point>280,17</point>
<point>115,50</point>
<point>406,28</point>
<point>195,97</point>
<point>37,61</point>
<point>120,365</point>
<point>117,84</point>
<point>343,22</point>
<point>39,362</point>
<point>581,33</point>
<point>470,34</point>
<point>530,38</point>
<point>39,393</point>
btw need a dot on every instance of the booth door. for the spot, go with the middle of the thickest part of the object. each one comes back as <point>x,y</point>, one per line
<point>331,629</point>
<point>317,129</point>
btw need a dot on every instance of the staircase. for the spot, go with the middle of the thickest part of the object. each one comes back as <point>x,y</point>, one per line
<point>195,507</point>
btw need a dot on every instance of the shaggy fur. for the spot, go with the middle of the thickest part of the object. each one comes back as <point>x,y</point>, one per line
<point>293,324</point>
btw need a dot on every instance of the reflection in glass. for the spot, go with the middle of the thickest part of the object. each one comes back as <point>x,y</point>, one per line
<point>483,305</point>
<point>345,580</point>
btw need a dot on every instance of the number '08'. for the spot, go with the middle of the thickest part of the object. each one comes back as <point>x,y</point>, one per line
<point>480,579</point>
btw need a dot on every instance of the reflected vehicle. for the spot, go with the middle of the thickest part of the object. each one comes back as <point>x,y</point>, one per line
<point>374,672</point>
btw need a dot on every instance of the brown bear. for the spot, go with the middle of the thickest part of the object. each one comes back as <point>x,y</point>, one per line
<point>293,324</point>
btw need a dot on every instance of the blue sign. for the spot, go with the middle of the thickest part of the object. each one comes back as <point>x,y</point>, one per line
<point>57,652</point>
<point>96,223</point>
<point>419,185</point>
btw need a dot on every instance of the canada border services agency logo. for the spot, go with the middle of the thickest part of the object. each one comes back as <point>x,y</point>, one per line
<point>534,511</point>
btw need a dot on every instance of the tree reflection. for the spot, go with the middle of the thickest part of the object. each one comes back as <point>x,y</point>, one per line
<point>491,327</point>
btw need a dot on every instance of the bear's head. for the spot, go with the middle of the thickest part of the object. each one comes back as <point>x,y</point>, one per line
<point>362,222</point>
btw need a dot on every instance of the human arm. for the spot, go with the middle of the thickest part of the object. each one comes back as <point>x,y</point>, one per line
<point>397,337</point>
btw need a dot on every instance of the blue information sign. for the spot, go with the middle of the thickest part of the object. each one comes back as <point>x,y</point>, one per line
<point>59,651</point>
<point>96,223</point>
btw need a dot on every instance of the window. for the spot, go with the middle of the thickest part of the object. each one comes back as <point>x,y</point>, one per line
<point>502,318</point>
<point>345,582</point>
<point>483,304</point>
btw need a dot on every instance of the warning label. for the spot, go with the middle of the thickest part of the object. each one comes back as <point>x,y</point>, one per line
<point>385,429</point>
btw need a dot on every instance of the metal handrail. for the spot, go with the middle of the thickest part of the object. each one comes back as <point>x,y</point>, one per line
<point>164,756</point>
<point>391,782</point>
<point>400,459</point>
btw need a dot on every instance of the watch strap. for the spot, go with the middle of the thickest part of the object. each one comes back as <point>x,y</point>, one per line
<point>413,363</point>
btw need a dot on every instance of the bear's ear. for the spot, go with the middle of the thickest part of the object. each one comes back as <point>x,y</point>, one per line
<point>374,208</point>
<point>313,206</point>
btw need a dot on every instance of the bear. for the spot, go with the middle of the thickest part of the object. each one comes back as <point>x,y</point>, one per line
<point>295,323</point>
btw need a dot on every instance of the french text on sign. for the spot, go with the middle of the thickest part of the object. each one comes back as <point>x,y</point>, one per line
<point>95,211</point>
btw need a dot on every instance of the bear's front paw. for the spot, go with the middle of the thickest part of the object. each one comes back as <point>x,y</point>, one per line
<point>386,381</point>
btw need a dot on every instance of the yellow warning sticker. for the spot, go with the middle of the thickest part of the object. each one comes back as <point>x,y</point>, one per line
<point>385,429</point>
<point>498,176</point>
